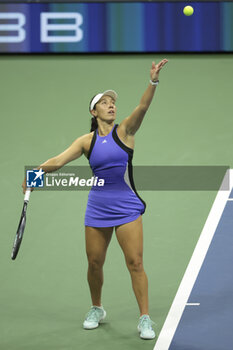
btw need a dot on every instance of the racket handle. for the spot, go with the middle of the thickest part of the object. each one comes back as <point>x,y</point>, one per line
<point>27,195</point>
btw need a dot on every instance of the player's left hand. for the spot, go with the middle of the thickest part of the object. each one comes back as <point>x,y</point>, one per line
<point>155,69</point>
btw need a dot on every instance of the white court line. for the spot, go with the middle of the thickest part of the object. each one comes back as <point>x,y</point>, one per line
<point>192,304</point>
<point>194,266</point>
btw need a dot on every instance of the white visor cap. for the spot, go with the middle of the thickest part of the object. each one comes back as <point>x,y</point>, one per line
<point>97,97</point>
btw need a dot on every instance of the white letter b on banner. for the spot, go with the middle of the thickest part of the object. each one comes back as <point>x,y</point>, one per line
<point>48,27</point>
<point>21,34</point>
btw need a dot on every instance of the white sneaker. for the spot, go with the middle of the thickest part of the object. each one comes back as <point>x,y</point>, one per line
<point>145,327</point>
<point>94,316</point>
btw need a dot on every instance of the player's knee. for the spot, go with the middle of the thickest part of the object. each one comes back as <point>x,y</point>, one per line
<point>95,263</point>
<point>135,264</point>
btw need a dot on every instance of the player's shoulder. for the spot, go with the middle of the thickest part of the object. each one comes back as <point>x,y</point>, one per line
<point>86,139</point>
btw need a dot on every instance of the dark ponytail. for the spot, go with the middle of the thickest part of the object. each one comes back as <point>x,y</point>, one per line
<point>94,124</point>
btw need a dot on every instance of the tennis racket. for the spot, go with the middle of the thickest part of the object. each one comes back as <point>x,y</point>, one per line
<point>21,227</point>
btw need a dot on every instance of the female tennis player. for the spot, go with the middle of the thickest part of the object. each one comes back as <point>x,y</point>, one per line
<point>109,149</point>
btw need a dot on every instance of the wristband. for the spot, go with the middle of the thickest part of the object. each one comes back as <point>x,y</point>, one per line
<point>154,83</point>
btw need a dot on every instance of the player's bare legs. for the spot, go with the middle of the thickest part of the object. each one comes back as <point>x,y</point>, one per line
<point>130,238</point>
<point>97,241</point>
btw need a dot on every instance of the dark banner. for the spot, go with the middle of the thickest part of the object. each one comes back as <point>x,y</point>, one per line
<point>116,27</point>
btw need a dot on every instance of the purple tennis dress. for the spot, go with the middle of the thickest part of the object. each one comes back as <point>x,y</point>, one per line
<point>117,202</point>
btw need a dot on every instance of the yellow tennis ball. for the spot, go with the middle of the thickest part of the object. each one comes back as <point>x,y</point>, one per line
<point>188,10</point>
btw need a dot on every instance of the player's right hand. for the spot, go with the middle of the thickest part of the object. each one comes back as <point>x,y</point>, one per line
<point>24,186</point>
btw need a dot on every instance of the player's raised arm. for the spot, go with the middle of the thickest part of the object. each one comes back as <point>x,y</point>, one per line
<point>74,151</point>
<point>132,123</point>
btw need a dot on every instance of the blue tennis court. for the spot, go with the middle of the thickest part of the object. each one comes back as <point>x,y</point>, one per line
<point>201,314</point>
